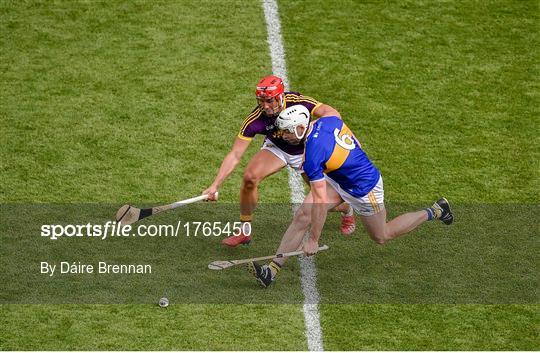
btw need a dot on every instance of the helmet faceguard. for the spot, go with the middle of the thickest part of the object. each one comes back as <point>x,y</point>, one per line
<point>270,94</point>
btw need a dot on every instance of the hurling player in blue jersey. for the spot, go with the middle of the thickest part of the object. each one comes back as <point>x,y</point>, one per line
<point>274,155</point>
<point>338,170</point>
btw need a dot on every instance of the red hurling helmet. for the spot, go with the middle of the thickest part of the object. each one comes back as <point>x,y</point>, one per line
<point>271,87</point>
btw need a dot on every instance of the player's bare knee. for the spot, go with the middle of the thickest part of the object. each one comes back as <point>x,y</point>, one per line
<point>379,237</point>
<point>380,241</point>
<point>250,180</point>
<point>302,216</point>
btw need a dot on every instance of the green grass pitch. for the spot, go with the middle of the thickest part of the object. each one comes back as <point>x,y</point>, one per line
<point>104,103</point>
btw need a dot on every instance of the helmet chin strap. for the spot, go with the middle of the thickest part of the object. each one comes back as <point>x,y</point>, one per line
<point>296,132</point>
<point>281,104</point>
<point>281,101</point>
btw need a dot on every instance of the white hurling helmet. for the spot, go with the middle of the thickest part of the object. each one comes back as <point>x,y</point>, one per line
<point>292,117</point>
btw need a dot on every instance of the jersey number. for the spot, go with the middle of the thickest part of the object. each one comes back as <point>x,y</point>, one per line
<point>344,140</point>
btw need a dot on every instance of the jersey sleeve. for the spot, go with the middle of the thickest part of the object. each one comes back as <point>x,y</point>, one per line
<point>314,160</point>
<point>311,104</point>
<point>251,125</point>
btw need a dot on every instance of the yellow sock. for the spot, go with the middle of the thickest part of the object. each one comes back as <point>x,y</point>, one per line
<point>245,218</point>
<point>274,267</point>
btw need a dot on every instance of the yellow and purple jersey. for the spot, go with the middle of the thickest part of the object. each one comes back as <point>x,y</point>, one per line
<point>257,122</point>
<point>332,149</point>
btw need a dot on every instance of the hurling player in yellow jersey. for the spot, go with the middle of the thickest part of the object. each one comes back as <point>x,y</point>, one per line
<point>338,170</point>
<point>274,155</point>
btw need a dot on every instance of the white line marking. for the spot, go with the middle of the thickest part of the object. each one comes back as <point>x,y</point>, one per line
<point>307,265</point>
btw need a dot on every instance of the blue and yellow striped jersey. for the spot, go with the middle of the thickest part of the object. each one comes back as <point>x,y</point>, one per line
<point>332,149</point>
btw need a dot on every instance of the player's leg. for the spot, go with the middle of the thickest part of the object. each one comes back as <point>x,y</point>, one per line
<point>381,231</point>
<point>373,216</point>
<point>263,164</point>
<point>348,221</point>
<point>293,237</point>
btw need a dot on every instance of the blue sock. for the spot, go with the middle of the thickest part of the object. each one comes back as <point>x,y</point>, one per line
<point>430,214</point>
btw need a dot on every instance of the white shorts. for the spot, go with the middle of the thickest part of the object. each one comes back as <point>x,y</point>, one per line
<point>368,205</point>
<point>295,161</point>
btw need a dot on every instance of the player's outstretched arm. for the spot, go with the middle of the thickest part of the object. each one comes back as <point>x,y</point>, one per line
<point>228,165</point>
<point>325,110</point>
<point>318,216</point>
